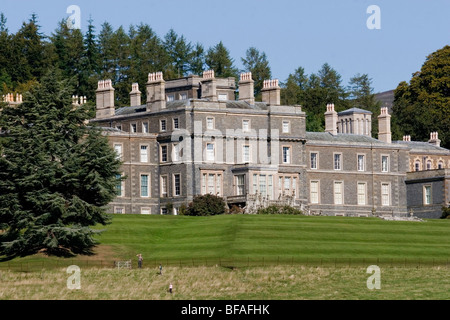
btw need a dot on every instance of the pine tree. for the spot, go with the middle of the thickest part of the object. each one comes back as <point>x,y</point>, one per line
<point>69,48</point>
<point>218,59</point>
<point>107,54</point>
<point>197,59</point>
<point>147,55</point>
<point>293,89</point>
<point>320,89</point>
<point>314,92</point>
<point>362,96</point>
<point>56,174</point>
<point>334,92</point>
<point>179,52</point>
<point>5,56</point>
<point>30,53</point>
<point>90,63</point>
<point>256,63</point>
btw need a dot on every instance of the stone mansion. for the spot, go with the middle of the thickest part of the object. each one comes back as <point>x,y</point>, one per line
<point>193,137</point>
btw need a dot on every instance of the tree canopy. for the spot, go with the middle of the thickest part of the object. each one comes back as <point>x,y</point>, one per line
<point>218,58</point>
<point>256,62</point>
<point>314,92</point>
<point>423,105</point>
<point>127,55</point>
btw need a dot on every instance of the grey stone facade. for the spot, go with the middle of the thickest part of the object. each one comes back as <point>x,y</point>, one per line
<point>200,139</point>
<point>427,192</point>
<point>360,185</point>
<point>218,145</point>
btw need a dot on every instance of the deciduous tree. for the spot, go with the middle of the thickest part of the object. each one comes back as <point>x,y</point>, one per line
<point>423,105</point>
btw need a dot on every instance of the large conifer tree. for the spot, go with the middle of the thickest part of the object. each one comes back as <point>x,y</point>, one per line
<point>256,62</point>
<point>56,174</point>
<point>219,59</point>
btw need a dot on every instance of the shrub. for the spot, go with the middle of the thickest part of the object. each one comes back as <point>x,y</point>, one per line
<point>236,210</point>
<point>280,210</point>
<point>182,211</point>
<point>169,207</point>
<point>445,213</point>
<point>206,205</point>
<point>290,210</point>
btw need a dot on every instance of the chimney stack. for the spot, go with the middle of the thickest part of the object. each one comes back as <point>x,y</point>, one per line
<point>434,139</point>
<point>271,92</point>
<point>156,91</point>
<point>331,119</point>
<point>384,126</point>
<point>9,97</point>
<point>135,95</point>
<point>247,88</point>
<point>78,101</point>
<point>209,86</point>
<point>105,99</point>
<point>407,138</point>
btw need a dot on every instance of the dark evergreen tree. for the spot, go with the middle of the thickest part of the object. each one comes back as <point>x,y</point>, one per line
<point>56,174</point>
<point>179,51</point>
<point>362,96</point>
<point>256,63</point>
<point>333,90</point>
<point>90,64</point>
<point>5,56</point>
<point>314,92</point>
<point>31,53</point>
<point>323,88</point>
<point>121,48</point>
<point>218,59</point>
<point>293,89</point>
<point>69,49</point>
<point>147,54</point>
<point>197,60</point>
<point>106,51</point>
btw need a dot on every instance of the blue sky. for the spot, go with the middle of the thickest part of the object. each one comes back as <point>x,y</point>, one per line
<point>292,33</point>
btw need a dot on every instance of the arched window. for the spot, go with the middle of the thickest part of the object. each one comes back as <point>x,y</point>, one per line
<point>440,165</point>
<point>429,165</point>
<point>417,166</point>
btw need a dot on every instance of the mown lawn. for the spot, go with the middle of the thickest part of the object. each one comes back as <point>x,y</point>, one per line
<point>276,237</point>
<point>260,240</point>
<point>242,257</point>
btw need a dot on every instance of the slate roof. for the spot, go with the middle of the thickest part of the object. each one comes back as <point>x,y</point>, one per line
<point>130,110</point>
<point>341,137</point>
<point>245,105</point>
<point>181,103</point>
<point>353,110</point>
<point>420,146</point>
<point>143,108</point>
